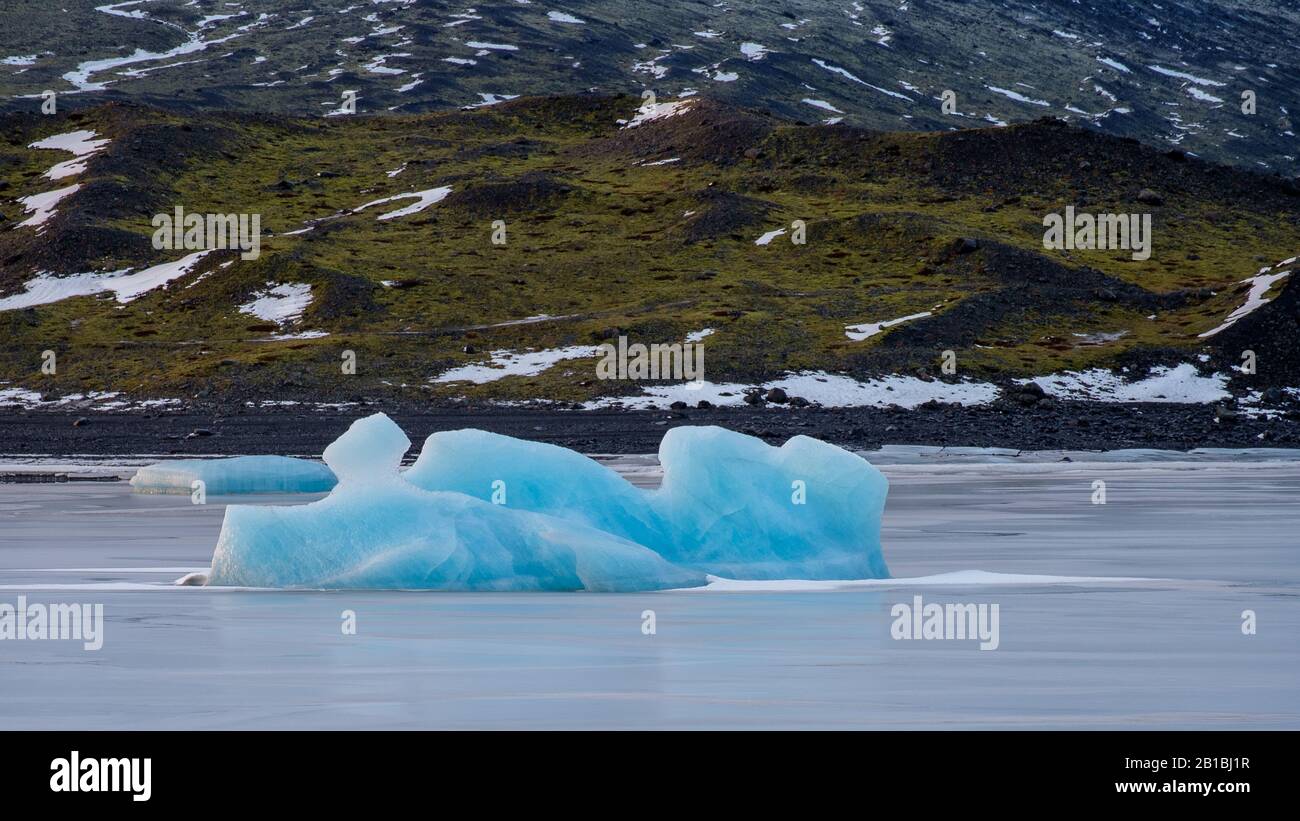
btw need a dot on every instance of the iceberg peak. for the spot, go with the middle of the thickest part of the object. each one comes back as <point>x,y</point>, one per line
<point>370,450</point>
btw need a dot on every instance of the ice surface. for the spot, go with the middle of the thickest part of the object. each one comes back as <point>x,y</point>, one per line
<point>730,504</point>
<point>241,474</point>
<point>815,657</point>
<point>377,531</point>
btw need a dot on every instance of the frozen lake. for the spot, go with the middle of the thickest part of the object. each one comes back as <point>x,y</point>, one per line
<point>1205,539</point>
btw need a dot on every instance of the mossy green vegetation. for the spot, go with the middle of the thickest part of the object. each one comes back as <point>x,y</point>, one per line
<point>647,232</point>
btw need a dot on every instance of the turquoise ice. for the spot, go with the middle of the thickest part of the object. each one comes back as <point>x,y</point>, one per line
<point>480,511</point>
<point>730,505</point>
<point>241,474</point>
<point>377,531</point>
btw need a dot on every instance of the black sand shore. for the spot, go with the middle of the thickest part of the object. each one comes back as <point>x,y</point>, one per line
<point>288,431</point>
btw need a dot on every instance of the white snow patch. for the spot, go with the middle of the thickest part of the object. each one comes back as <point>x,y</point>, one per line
<point>424,200</point>
<point>514,363</point>
<point>126,286</point>
<point>866,330</point>
<point>822,104</point>
<point>1180,384</point>
<point>378,66</point>
<point>116,9</point>
<point>1259,286</point>
<point>82,146</point>
<point>659,111</point>
<point>850,76</point>
<point>1115,64</point>
<point>1182,75</point>
<point>279,303</point>
<point>43,205</point>
<point>489,99</point>
<point>1203,96</point>
<point>528,320</point>
<point>299,335</point>
<point>830,390</point>
<point>561,17</point>
<point>1017,96</point>
<point>80,76</point>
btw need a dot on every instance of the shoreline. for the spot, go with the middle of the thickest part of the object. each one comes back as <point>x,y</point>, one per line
<point>219,431</point>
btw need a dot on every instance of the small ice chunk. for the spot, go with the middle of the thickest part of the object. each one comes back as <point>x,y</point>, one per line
<point>241,474</point>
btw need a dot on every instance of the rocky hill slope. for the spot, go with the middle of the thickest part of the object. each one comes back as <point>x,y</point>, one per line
<point>1170,74</point>
<point>665,224</point>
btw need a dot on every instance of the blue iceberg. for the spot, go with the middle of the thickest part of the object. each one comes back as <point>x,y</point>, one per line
<point>377,531</point>
<point>241,474</point>
<point>480,511</point>
<point>535,476</point>
<point>730,505</point>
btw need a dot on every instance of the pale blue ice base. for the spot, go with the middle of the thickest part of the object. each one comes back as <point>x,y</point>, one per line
<point>237,474</point>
